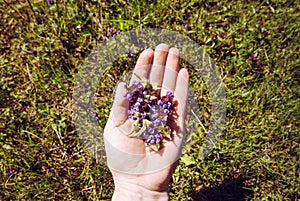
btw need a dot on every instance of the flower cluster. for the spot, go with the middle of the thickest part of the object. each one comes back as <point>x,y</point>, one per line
<point>112,33</point>
<point>281,28</point>
<point>93,115</point>
<point>150,113</point>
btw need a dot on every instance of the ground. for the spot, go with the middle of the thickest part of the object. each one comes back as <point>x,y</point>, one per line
<point>254,44</point>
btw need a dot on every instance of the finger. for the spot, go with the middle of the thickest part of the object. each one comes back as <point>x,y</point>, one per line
<point>120,105</point>
<point>143,65</point>
<point>181,91</point>
<point>171,71</point>
<point>158,67</point>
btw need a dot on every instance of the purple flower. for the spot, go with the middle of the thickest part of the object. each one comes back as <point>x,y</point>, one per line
<point>167,98</point>
<point>143,116</point>
<point>50,2</point>
<point>254,57</point>
<point>157,122</point>
<point>148,102</point>
<point>151,130</point>
<point>170,105</point>
<point>160,103</point>
<point>12,171</point>
<point>281,28</point>
<point>93,115</point>
<point>221,47</point>
<point>265,32</point>
<point>158,138</point>
<point>170,94</point>
<point>130,113</point>
<point>129,97</point>
<point>130,53</point>
<point>150,112</point>
<point>155,115</point>
<point>134,91</point>
<point>154,139</point>
<point>112,33</point>
<point>188,26</point>
<point>137,84</point>
<point>157,112</point>
<point>2,130</point>
<point>149,138</point>
<point>208,134</point>
<point>136,106</point>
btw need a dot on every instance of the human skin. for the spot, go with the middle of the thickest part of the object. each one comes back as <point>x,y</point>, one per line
<point>139,173</point>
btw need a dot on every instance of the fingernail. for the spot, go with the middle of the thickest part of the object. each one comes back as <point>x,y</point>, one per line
<point>162,47</point>
<point>174,50</point>
<point>147,50</point>
<point>184,74</point>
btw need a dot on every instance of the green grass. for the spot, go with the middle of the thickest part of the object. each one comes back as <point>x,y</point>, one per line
<point>43,46</point>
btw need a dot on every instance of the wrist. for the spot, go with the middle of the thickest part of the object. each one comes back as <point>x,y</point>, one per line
<point>133,192</point>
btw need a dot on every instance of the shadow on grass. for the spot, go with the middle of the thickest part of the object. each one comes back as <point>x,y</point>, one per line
<point>231,189</point>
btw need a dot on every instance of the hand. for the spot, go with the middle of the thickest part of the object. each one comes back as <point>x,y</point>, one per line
<point>138,173</point>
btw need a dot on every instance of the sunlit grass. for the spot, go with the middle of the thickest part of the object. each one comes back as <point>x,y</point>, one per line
<point>255,46</point>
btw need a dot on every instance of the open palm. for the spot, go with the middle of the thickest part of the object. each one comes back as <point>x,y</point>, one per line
<point>128,158</point>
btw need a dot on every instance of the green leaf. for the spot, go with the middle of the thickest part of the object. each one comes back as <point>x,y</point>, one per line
<point>187,160</point>
<point>154,147</point>
<point>166,133</point>
<point>137,132</point>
